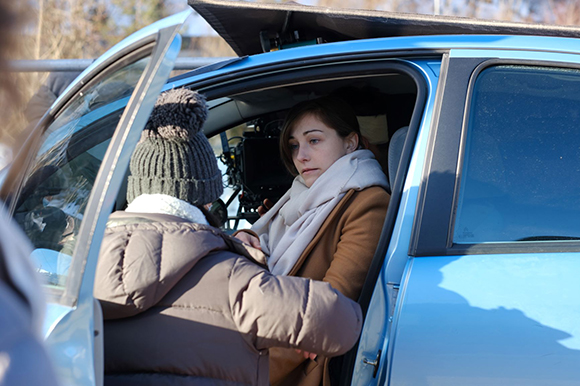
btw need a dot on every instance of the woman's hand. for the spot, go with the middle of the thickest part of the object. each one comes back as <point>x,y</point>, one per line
<point>306,354</point>
<point>266,206</point>
<point>249,239</point>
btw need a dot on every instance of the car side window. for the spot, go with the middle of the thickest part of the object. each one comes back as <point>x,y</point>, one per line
<point>521,162</point>
<point>55,193</point>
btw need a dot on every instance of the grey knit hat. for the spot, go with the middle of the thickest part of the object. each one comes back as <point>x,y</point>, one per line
<point>173,156</point>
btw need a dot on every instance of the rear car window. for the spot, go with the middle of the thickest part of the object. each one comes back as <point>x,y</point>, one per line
<point>521,161</point>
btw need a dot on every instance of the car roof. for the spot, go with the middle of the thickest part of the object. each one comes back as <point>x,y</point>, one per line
<point>240,23</point>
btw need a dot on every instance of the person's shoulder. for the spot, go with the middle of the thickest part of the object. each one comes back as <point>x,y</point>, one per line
<point>372,193</point>
<point>373,199</point>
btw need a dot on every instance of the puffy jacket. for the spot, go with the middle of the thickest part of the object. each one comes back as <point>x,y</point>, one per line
<point>186,304</point>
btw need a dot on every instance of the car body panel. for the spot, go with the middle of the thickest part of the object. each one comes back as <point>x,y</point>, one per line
<point>384,47</point>
<point>378,322</point>
<point>489,319</point>
<point>553,57</point>
<point>482,318</point>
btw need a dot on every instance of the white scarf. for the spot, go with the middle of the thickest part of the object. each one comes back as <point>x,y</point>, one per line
<point>165,204</point>
<point>286,230</point>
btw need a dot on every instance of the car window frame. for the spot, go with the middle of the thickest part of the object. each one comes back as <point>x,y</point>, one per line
<point>114,164</point>
<point>156,47</point>
<point>441,180</point>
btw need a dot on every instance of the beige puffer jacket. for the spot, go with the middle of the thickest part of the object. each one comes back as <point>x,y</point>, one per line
<point>186,304</point>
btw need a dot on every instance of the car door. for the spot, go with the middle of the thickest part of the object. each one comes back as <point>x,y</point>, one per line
<point>63,185</point>
<point>489,296</point>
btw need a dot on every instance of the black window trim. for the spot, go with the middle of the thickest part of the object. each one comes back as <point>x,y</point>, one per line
<point>307,71</point>
<point>428,221</point>
<point>209,81</point>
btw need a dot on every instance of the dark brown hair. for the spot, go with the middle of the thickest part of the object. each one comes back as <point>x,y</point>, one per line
<point>332,111</point>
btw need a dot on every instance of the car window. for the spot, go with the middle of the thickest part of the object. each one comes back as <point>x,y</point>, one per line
<point>521,162</point>
<point>55,194</point>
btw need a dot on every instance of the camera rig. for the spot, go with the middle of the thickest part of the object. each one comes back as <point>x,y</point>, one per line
<point>255,171</point>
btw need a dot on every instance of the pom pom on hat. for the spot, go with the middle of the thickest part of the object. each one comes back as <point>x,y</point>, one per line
<point>178,114</point>
<point>173,156</point>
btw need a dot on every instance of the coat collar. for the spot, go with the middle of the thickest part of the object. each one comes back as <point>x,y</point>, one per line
<point>121,218</point>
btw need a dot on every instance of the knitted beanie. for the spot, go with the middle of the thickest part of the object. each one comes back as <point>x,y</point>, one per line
<point>173,156</point>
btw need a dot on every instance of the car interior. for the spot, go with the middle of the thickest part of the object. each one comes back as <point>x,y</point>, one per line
<point>244,125</point>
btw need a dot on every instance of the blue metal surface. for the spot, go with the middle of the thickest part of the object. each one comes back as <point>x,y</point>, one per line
<point>376,330</point>
<point>70,343</point>
<point>54,314</point>
<point>490,320</point>
<point>513,54</point>
<point>401,44</point>
<point>64,65</point>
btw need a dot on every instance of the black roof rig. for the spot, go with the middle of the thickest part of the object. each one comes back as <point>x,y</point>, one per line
<point>251,28</point>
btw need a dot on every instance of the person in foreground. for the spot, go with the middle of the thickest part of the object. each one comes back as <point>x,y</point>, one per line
<point>24,359</point>
<point>327,226</point>
<point>184,303</point>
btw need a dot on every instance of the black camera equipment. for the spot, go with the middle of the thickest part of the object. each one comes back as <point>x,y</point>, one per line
<point>254,168</point>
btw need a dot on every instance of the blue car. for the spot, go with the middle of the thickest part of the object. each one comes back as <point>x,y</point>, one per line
<point>476,278</point>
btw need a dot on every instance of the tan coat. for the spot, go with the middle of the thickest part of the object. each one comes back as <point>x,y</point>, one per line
<point>340,254</point>
<point>185,304</point>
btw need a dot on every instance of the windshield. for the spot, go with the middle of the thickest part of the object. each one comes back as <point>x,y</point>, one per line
<point>57,188</point>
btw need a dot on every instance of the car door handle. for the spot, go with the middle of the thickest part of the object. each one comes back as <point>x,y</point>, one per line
<point>374,363</point>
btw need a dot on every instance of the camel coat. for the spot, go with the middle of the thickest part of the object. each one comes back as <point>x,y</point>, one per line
<point>340,254</point>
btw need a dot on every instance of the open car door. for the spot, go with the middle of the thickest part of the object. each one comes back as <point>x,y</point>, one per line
<point>64,183</point>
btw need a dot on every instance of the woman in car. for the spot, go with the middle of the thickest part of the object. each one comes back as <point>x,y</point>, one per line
<point>183,302</point>
<point>327,226</point>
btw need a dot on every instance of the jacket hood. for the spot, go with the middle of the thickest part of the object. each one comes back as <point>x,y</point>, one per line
<point>143,256</point>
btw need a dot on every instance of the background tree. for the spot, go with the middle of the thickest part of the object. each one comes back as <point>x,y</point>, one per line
<point>562,12</point>
<point>73,29</point>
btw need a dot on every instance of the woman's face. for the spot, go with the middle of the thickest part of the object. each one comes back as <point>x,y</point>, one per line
<point>315,147</point>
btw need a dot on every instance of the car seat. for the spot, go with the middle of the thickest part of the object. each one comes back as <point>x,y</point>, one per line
<point>395,150</point>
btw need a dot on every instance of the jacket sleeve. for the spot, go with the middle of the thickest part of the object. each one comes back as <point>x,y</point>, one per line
<point>282,311</point>
<point>361,229</point>
<point>248,231</point>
